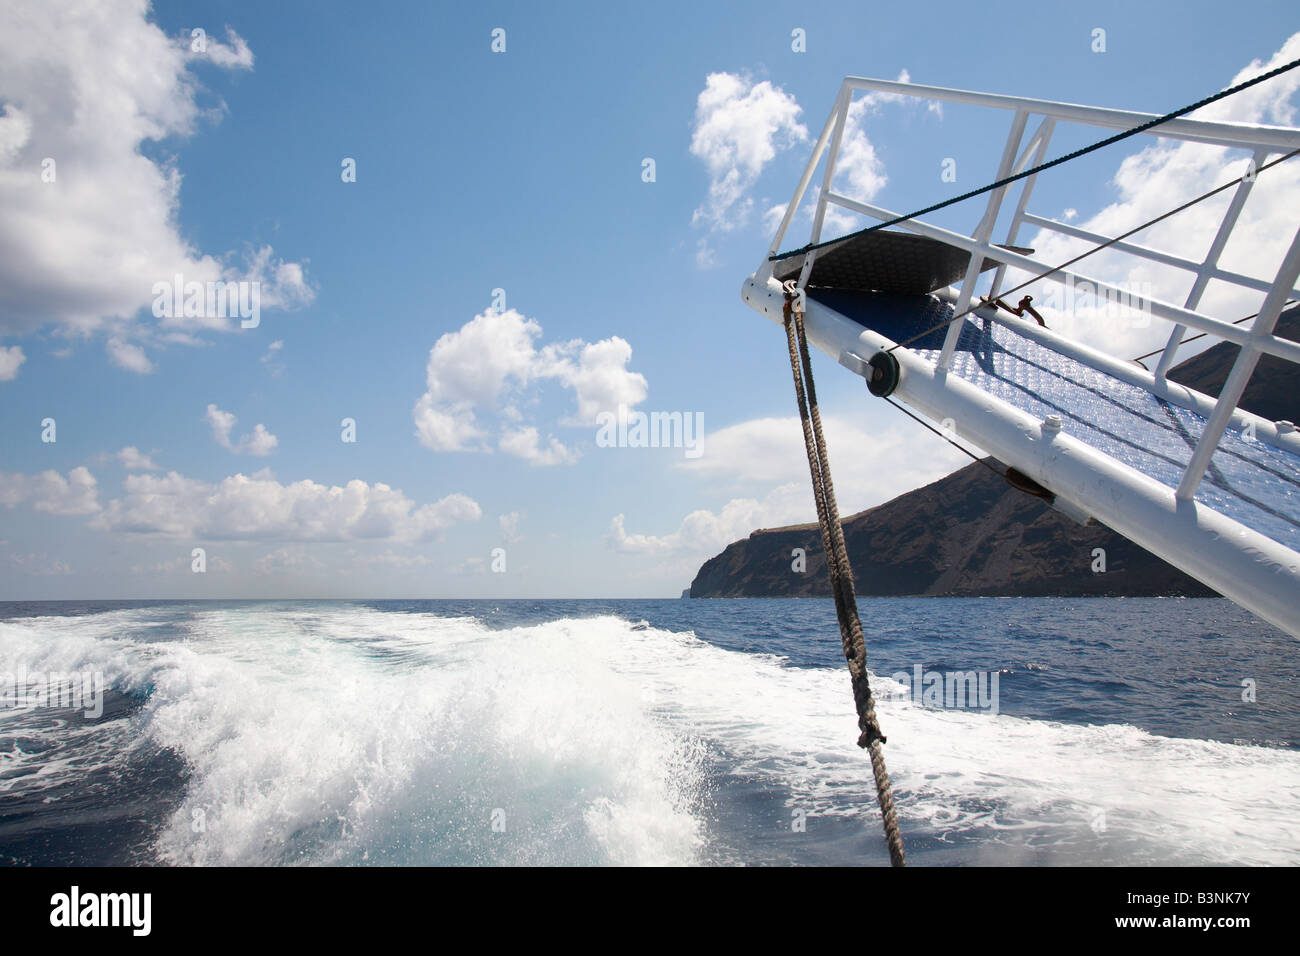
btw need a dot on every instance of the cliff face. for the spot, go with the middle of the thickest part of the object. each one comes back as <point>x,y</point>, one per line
<point>966,535</point>
<point>970,534</point>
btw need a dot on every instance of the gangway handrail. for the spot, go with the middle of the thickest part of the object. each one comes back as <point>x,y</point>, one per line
<point>1215,132</point>
<point>1261,141</point>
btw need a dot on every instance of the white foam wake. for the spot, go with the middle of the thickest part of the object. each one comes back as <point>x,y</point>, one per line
<point>346,734</point>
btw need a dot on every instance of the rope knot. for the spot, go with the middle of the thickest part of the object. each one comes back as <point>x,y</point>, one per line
<point>870,735</point>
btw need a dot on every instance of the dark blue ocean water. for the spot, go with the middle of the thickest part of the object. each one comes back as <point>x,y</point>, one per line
<point>645,732</point>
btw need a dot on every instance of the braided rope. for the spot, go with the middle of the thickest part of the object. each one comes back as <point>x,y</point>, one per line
<point>828,519</point>
<point>841,574</point>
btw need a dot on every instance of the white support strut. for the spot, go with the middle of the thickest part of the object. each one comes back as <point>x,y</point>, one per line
<point>1234,560</point>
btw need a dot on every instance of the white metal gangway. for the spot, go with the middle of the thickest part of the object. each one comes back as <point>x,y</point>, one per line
<point>1168,518</point>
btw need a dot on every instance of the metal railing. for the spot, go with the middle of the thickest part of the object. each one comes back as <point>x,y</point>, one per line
<point>1019,155</point>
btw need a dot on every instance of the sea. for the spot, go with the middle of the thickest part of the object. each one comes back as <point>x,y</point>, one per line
<point>1051,731</point>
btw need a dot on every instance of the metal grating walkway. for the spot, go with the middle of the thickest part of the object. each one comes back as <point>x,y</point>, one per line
<point>1251,482</point>
<point>886,261</point>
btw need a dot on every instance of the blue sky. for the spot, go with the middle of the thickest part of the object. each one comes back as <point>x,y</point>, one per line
<point>476,171</point>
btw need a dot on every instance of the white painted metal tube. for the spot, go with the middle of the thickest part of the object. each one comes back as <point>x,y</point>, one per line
<point>1242,369</point>
<point>1155,255</point>
<point>984,232</point>
<point>1258,573</point>
<point>766,265</point>
<point>1039,144</point>
<point>1283,348</point>
<point>1201,131</point>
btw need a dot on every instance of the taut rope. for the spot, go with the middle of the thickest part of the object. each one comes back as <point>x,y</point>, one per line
<point>841,572</point>
<point>1035,170</point>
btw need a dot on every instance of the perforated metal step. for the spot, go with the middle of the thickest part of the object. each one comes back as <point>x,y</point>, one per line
<point>886,261</point>
<point>1250,481</point>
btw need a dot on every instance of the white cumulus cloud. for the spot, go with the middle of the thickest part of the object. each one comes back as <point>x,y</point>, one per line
<point>52,493</point>
<point>259,442</point>
<point>10,359</point>
<point>91,220</point>
<point>232,54</point>
<point>133,459</point>
<point>739,128</point>
<point>258,507</point>
<point>526,443</point>
<point>765,459</point>
<point>127,356</point>
<point>509,524</point>
<point>491,366</point>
